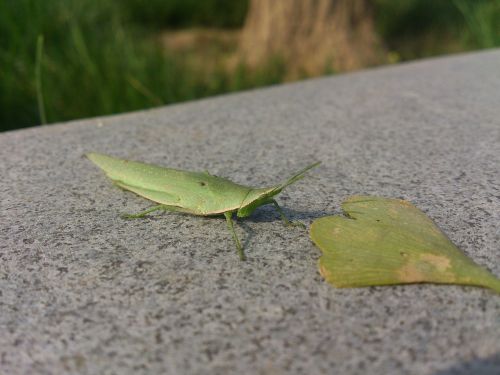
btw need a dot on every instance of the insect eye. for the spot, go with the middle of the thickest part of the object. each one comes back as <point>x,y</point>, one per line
<point>202,183</point>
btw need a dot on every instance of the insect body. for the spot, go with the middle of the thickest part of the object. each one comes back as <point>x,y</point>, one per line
<point>197,193</point>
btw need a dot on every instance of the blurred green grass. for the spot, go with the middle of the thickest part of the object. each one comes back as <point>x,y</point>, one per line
<point>422,28</point>
<point>103,56</point>
<point>156,14</point>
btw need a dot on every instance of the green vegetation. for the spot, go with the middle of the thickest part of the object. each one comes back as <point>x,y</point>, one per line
<point>482,22</point>
<point>67,59</point>
<point>186,13</point>
<point>96,61</point>
<point>421,28</point>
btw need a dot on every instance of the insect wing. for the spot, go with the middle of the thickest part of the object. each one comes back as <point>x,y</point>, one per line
<point>198,192</point>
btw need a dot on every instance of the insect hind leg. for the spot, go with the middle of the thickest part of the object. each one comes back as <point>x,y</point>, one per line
<point>160,207</point>
<point>287,221</point>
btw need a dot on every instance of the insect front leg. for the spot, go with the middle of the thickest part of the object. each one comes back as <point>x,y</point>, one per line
<point>230,225</point>
<point>285,219</point>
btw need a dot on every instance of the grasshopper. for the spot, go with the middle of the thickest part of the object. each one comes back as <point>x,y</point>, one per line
<point>196,193</point>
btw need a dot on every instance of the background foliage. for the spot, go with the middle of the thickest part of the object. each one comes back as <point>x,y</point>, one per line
<point>104,56</point>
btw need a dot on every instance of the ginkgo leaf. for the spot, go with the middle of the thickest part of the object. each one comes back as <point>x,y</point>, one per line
<point>384,241</point>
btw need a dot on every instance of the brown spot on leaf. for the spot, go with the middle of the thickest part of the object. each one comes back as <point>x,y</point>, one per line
<point>324,272</point>
<point>441,263</point>
<point>410,274</point>
<point>405,203</point>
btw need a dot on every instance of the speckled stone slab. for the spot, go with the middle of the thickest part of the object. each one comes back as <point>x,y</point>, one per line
<point>83,291</point>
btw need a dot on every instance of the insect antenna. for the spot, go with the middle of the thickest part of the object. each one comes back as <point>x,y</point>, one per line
<point>297,176</point>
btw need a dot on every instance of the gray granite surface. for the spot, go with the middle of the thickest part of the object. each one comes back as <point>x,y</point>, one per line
<point>83,291</point>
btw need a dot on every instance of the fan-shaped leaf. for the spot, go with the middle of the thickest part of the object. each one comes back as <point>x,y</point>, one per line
<point>389,241</point>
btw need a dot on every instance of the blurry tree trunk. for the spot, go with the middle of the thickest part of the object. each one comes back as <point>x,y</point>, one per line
<point>311,36</point>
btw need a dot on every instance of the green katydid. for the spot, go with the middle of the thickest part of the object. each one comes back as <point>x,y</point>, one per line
<point>196,193</point>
